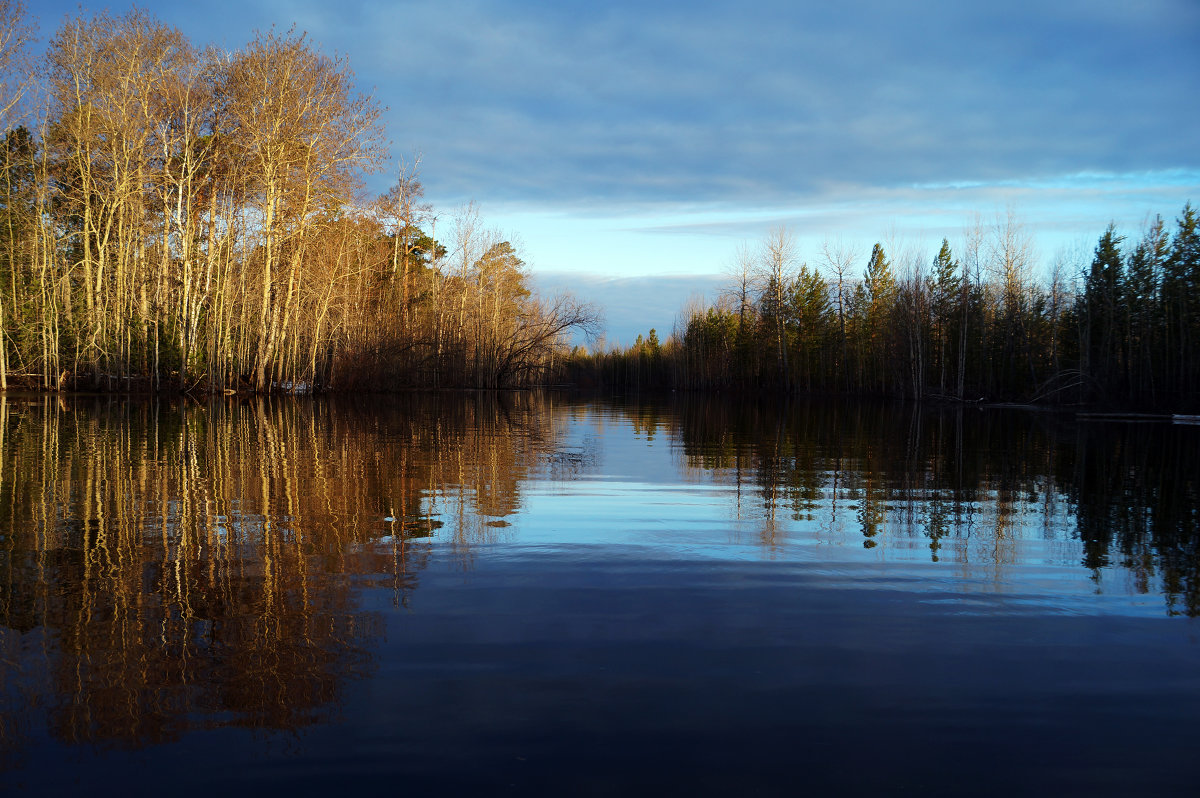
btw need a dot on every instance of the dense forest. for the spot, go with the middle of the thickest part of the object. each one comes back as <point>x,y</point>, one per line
<point>181,217</point>
<point>1122,331</point>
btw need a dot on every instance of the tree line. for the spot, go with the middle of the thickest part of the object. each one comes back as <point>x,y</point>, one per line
<point>176,216</point>
<point>974,325</point>
<point>182,217</point>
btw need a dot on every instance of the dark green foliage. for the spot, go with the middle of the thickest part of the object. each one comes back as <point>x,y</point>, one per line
<point>1129,337</point>
<point>945,285</point>
<point>1181,309</point>
<point>1102,299</point>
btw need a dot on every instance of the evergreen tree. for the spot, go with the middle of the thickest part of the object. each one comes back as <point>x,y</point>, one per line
<point>1181,308</point>
<point>879,287</point>
<point>809,317</point>
<point>1141,307</point>
<point>1102,293</point>
<point>945,284</point>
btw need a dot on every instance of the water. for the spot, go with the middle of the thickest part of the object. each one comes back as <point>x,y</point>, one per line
<point>539,595</point>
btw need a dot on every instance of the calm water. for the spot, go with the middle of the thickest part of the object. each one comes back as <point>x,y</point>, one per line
<point>533,595</point>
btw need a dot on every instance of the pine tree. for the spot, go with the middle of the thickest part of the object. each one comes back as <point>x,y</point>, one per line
<point>945,284</point>
<point>1102,294</point>
<point>1141,304</point>
<point>1181,308</point>
<point>879,286</point>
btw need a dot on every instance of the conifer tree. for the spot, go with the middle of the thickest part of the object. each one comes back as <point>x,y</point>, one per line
<point>1181,307</point>
<point>945,284</point>
<point>879,294</point>
<point>1102,292</point>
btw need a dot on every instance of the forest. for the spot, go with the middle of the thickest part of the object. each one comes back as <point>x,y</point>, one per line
<point>980,325</point>
<point>175,217</point>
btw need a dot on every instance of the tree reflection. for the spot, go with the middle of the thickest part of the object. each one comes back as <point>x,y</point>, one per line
<point>975,486</point>
<point>1136,490</point>
<point>165,568</point>
<point>169,568</point>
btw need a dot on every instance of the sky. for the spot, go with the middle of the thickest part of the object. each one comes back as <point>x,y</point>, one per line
<point>631,147</point>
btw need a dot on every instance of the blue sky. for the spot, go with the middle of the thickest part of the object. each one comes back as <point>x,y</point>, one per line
<point>634,140</point>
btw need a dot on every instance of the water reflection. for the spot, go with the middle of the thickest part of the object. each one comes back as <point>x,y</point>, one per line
<point>164,568</point>
<point>973,488</point>
<point>171,567</point>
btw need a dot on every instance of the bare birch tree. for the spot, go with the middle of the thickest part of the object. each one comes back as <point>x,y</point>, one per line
<point>777,265</point>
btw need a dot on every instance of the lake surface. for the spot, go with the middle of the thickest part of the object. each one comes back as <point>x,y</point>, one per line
<point>539,595</point>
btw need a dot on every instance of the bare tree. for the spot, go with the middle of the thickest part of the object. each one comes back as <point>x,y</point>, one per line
<point>838,258</point>
<point>306,134</point>
<point>915,315</point>
<point>971,277</point>
<point>743,284</point>
<point>16,32</point>
<point>777,265</point>
<point>401,207</point>
<point>1009,261</point>
<point>15,75</point>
